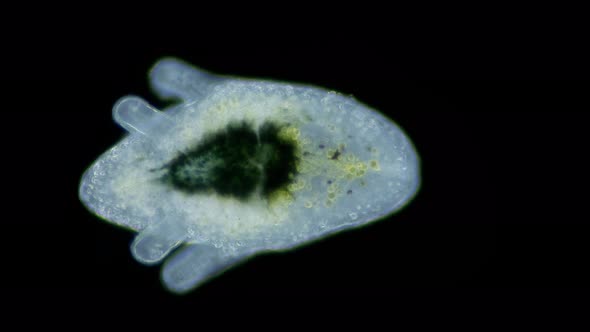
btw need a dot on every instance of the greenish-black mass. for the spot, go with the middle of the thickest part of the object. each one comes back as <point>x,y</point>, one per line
<point>237,161</point>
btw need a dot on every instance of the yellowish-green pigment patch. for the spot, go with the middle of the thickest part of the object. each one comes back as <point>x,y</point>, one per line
<point>289,134</point>
<point>281,197</point>
<point>375,165</point>
<point>334,164</point>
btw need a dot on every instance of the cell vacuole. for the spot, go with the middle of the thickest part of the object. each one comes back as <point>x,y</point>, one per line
<point>244,166</point>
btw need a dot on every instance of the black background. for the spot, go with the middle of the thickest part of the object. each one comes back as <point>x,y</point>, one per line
<point>496,221</point>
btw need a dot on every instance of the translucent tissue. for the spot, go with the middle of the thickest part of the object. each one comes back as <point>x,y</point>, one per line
<point>243,166</point>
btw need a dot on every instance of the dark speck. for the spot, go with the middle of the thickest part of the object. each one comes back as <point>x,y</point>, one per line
<point>336,155</point>
<point>349,191</point>
<point>321,146</point>
<point>329,181</point>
